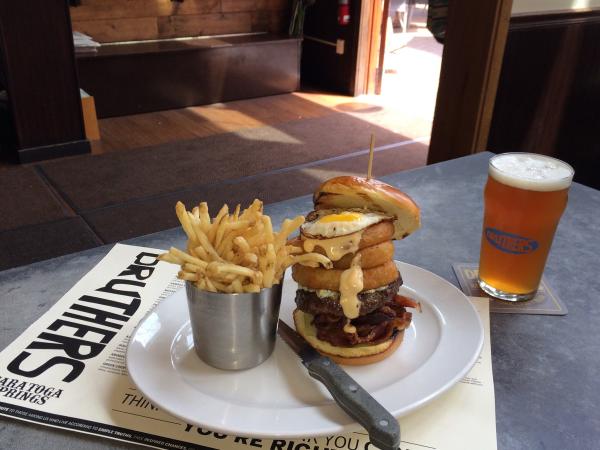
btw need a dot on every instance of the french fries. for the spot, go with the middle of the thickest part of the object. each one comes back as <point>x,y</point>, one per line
<point>237,252</point>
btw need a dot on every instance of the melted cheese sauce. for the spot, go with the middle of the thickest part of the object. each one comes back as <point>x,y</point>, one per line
<point>351,283</point>
<point>335,248</point>
<point>351,280</point>
<point>349,328</point>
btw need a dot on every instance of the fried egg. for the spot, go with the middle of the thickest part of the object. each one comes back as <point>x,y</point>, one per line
<point>340,223</point>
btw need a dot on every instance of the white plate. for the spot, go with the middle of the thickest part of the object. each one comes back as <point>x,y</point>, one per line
<point>278,398</point>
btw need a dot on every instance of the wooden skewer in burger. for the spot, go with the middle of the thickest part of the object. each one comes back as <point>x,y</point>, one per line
<point>351,311</point>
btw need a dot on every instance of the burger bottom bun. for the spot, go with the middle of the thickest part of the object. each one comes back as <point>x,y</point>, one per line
<point>358,355</point>
<point>319,278</point>
<point>370,257</point>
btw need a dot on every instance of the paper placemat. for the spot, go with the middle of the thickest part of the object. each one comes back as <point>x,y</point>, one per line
<point>545,301</point>
<point>67,370</point>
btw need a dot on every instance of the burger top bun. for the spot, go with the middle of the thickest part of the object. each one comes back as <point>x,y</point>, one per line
<point>349,192</point>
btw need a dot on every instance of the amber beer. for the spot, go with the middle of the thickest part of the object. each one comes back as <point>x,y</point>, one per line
<point>524,197</point>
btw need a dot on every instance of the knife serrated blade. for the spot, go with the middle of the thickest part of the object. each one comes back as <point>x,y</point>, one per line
<point>383,428</point>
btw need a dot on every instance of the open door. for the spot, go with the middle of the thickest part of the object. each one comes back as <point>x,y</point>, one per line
<point>347,59</point>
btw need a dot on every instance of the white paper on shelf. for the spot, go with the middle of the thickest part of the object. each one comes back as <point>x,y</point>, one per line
<point>84,42</point>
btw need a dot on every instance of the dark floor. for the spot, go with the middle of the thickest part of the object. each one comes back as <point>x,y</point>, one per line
<point>62,206</point>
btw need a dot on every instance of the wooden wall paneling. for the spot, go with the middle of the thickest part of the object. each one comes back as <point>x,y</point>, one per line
<point>577,141</point>
<point>534,82</point>
<point>117,20</point>
<point>123,29</point>
<point>473,49</point>
<point>238,5</point>
<point>260,20</point>
<point>272,16</point>
<point>279,22</point>
<point>119,9</point>
<point>194,7</point>
<point>273,5</point>
<point>114,9</point>
<point>202,25</point>
<point>41,79</point>
<point>548,94</point>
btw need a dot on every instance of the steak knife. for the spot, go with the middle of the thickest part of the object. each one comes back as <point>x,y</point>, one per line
<point>383,428</point>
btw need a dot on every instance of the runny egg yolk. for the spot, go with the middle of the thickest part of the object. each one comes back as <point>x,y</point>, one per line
<point>341,223</point>
<point>343,217</point>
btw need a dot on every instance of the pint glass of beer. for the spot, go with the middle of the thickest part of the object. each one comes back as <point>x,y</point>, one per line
<point>524,197</point>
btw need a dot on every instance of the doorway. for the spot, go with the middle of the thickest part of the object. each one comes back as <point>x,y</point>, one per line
<point>475,36</point>
<point>412,60</point>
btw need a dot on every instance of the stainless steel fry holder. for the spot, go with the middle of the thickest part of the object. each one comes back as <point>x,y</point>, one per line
<point>234,331</point>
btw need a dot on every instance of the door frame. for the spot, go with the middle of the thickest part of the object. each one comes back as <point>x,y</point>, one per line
<point>369,43</point>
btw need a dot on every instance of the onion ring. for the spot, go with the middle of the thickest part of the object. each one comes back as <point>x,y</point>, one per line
<point>372,256</point>
<point>372,235</point>
<point>318,278</point>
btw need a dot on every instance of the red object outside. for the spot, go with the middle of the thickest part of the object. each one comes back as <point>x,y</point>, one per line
<point>343,12</point>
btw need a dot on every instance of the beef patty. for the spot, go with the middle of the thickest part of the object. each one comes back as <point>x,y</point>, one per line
<point>311,303</point>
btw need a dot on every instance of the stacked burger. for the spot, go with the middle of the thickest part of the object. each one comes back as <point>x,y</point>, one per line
<point>351,311</point>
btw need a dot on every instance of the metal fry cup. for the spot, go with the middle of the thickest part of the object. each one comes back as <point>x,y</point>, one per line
<point>234,331</point>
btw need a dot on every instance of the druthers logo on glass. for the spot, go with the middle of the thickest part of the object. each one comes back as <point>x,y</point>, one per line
<point>510,243</point>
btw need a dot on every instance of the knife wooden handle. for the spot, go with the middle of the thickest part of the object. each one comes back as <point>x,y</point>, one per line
<point>383,428</point>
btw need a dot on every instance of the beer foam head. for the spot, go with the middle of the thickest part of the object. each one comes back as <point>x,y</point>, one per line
<point>531,171</point>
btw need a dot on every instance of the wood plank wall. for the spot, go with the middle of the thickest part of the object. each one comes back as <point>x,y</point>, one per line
<point>132,20</point>
<point>549,91</point>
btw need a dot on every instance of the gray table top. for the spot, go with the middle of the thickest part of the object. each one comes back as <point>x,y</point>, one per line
<point>546,368</point>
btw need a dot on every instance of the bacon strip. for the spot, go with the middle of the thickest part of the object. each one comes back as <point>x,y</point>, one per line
<point>372,328</point>
<point>407,302</point>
